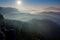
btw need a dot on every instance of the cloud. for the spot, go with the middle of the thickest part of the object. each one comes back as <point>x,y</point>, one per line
<point>42,9</point>
<point>35,9</point>
<point>53,9</point>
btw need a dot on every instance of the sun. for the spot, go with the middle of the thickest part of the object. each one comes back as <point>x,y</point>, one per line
<point>19,2</point>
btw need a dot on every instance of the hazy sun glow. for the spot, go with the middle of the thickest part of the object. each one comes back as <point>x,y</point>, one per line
<point>19,2</point>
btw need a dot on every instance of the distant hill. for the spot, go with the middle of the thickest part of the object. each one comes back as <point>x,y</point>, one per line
<point>55,13</point>
<point>1,17</point>
<point>7,10</point>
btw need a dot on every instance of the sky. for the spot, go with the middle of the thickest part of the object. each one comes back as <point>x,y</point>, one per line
<point>32,5</point>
